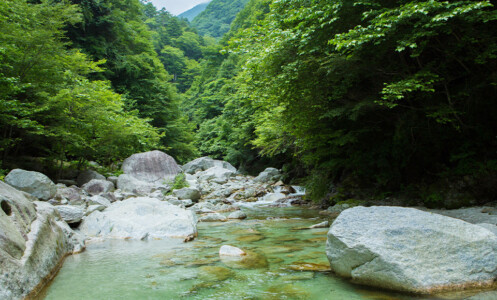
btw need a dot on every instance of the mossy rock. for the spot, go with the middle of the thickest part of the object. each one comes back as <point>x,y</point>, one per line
<point>214,273</point>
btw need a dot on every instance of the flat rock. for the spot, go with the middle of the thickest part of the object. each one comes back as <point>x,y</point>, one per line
<point>33,183</point>
<point>213,217</point>
<point>409,250</point>
<point>140,218</point>
<point>70,214</point>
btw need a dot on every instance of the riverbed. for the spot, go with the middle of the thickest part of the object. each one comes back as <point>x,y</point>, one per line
<point>284,261</point>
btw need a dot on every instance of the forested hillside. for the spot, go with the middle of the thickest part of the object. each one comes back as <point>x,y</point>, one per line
<point>215,20</point>
<point>195,11</point>
<point>352,97</point>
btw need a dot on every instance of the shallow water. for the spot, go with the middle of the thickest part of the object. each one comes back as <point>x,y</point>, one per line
<point>278,265</point>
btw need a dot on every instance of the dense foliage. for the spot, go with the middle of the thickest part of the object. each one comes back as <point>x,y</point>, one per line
<point>377,94</point>
<point>216,19</point>
<point>48,104</point>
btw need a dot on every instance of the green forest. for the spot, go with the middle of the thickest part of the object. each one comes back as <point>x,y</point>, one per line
<point>353,98</point>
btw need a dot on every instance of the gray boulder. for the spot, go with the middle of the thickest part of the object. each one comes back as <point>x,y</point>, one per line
<point>187,193</point>
<point>98,186</point>
<point>140,218</point>
<point>153,166</point>
<point>128,183</point>
<point>216,174</point>
<point>33,242</point>
<point>409,250</point>
<point>70,214</point>
<point>113,179</point>
<point>204,163</point>
<point>34,183</point>
<point>269,175</point>
<point>88,175</point>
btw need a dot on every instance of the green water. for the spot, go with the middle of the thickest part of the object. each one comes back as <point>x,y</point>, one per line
<point>166,269</point>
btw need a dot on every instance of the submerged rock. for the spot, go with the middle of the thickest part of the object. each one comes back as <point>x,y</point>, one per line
<point>410,250</point>
<point>237,215</point>
<point>33,183</point>
<point>33,243</point>
<point>227,250</point>
<point>140,218</point>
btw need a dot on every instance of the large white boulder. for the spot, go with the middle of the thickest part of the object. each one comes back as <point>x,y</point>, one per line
<point>216,174</point>
<point>34,183</point>
<point>33,243</point>
<point>204,163</point>
<point>410,250</point>
<point>151,166</point>
<point>140,218</point>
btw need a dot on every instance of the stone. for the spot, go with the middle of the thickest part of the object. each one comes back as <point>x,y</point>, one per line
<point>216,174</point>
<point>67,182</point>
<point>113,179</point>
<point>140,218</point>
<point>409,250</point>
<point>71,194</point>
<point>128,183</point>
<point>33,243</point>
<point>70,214</point>
<point>305,266</point>
<point>110,196</point>
<point>204,163</point>
<point>153,166</point>
<point>33,183</point>
<point>324,224</point>
<point>187,193</point>
<point>490,227</point>
<point>157,195</point>
<point>187,202</point>
<point>273,197</point>
<point>215,273</point>
<point>99,200</point>
<point>269,175</point>
<point>88,175</point>
<point>237,215</point>
<point>213,217</point>
<point>227,250</point>
<point>94,207</point>
<point>98,186</point>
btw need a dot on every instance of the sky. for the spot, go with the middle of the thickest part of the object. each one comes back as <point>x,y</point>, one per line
<point>176,7</point>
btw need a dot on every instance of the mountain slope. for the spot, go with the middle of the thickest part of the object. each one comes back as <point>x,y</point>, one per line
<point>192,13</point>
<point>216,19</point>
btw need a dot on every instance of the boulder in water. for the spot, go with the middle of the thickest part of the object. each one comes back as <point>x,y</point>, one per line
<point>34,183</point>
<point>33,243</point>
<point>140,218</point>
<point>409,250</point>
<point>227,250</point>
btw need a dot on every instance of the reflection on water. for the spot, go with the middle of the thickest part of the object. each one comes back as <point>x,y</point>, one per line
<point>283,262</point>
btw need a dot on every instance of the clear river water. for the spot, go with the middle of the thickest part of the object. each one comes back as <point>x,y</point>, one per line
<point>283,262</point>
